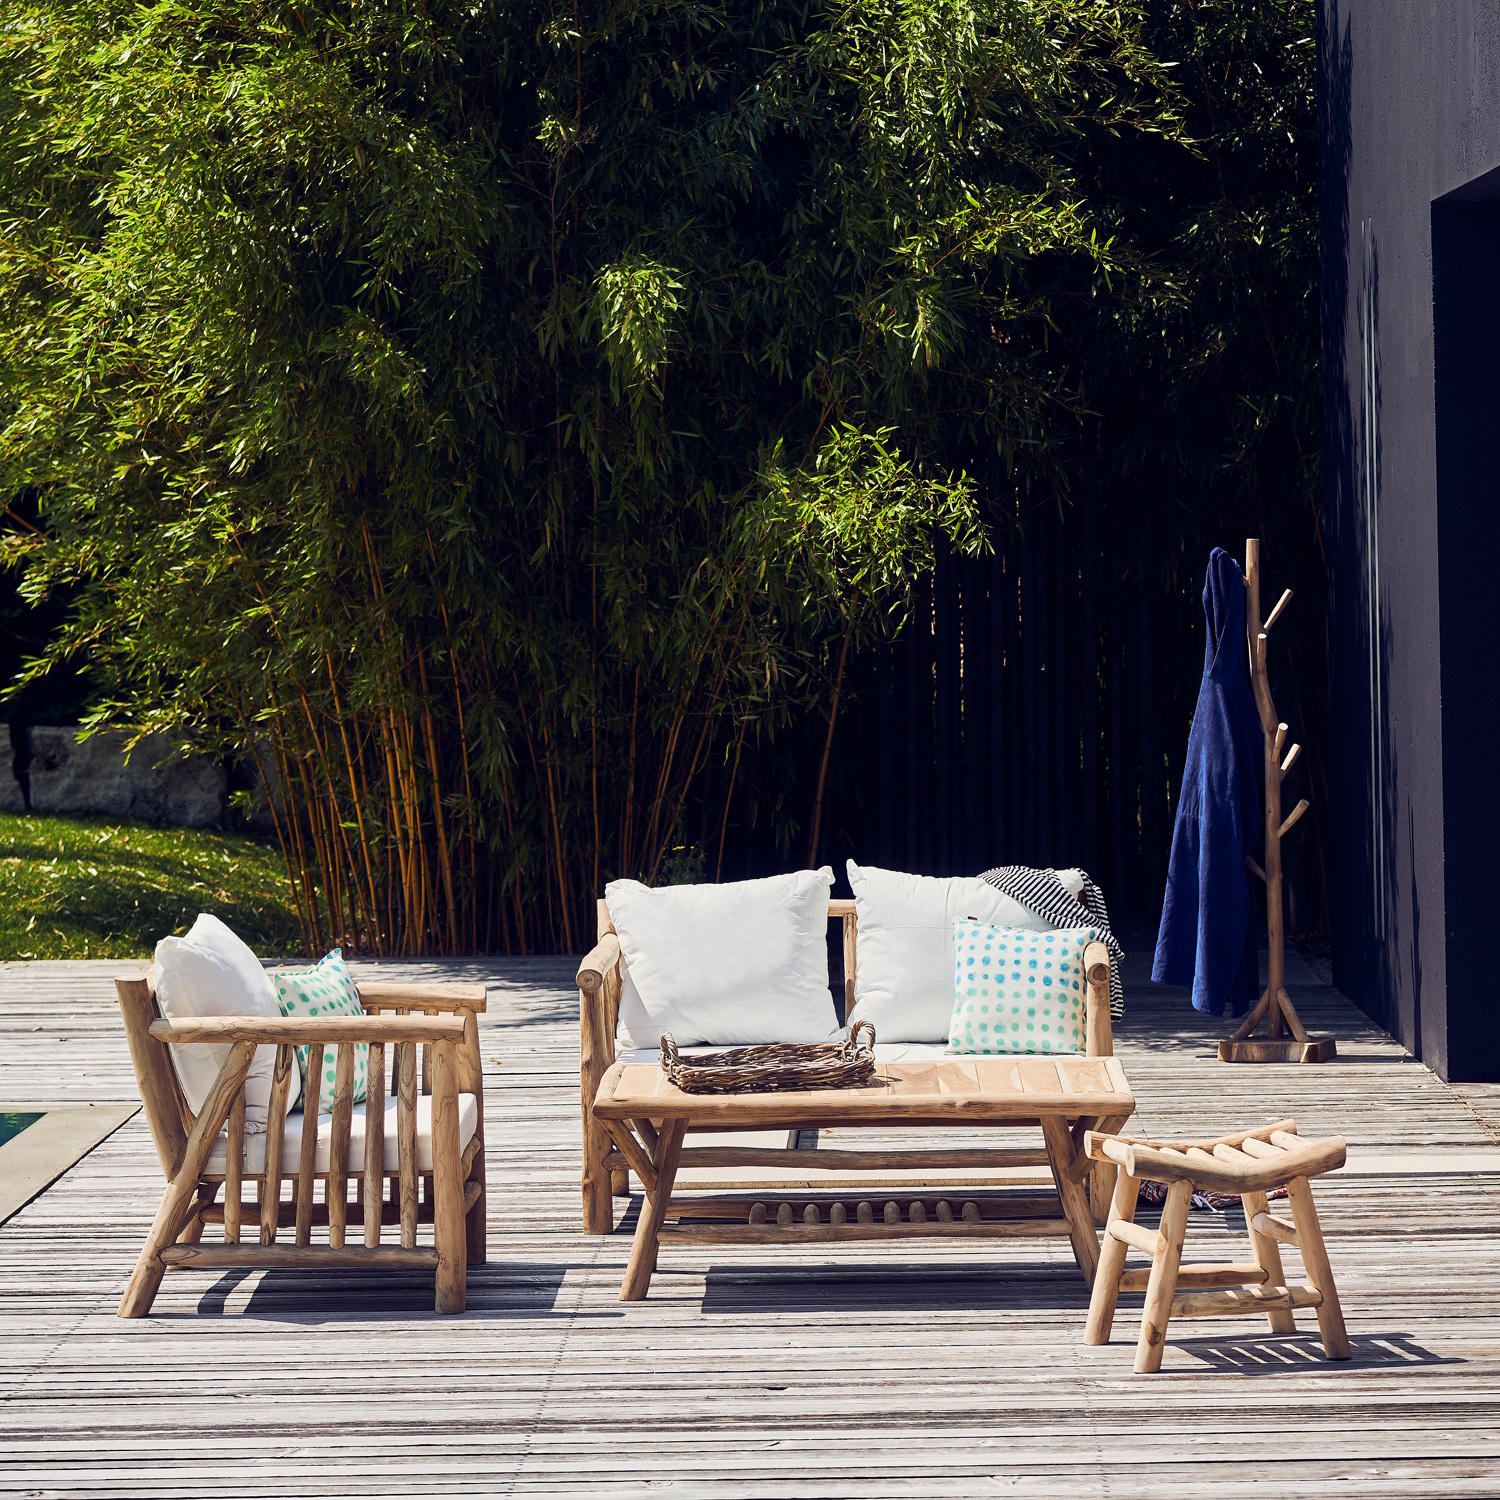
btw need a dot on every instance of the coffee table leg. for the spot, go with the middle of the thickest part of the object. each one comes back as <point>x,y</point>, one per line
<point>653,1211</point>
<point>1075,1203</point>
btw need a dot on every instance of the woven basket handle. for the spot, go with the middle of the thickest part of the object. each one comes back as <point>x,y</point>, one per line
<point>669,1057</point>
<point>852,1044</point>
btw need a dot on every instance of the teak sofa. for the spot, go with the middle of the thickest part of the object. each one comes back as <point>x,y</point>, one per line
<point>433,1140</point>
<point>606,1169</point>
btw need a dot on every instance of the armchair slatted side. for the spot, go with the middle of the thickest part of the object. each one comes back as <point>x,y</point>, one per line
<point>433,1034</point>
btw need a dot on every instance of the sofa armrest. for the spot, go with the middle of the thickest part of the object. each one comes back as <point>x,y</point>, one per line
<point>1099,1040</point>
<point>302,1031</point>
<point>598,995</point>
<point>432,998</point>
<point>598,962</point>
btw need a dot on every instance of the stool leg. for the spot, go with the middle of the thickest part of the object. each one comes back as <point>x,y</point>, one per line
<point>1268,1258</point>
<point>1163,1283</point>
<point>1315,1259</point>
<point>1100,1184</point>
<point>1111,1263</point>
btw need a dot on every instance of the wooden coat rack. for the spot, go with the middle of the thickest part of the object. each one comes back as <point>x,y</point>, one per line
<point>1275,1005</point>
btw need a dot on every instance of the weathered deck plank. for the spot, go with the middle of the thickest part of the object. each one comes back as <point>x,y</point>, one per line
<point>884,1370</point>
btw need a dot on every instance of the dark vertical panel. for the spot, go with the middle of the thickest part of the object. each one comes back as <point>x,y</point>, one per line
<point>1152,788</point>
<point>1130,738</point>
<point>926,771</point>
<point>974,799</point>
<point>1073,854</point>
<point>1065,776</point>
<point>885,792</point>
<point>946,766</point>
<point>1115,647</point>
<point>911,654</point>
<point>1090,689</point>
<point>1044,781</point>
<point>1027,626</point>
<point>1015,717</point>
<point>995,706</point>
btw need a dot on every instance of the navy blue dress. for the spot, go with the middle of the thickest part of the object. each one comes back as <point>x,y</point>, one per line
<point>1208,929</point>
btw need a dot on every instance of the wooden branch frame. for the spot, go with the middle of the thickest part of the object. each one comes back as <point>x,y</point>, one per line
<point>1066,1097</point>
<point>444,1029</point>
<point>1246,1164</point>
<point>1275,1005</point>
<point>611,1153</point>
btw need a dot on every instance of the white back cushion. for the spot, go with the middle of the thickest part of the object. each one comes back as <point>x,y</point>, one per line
<point>904,955</point>
<point>210,972</point>
<point>729,965</point>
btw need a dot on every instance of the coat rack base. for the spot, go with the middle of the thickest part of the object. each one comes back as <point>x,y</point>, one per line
<point>1276,1013</point>
<point>1278,1050</point>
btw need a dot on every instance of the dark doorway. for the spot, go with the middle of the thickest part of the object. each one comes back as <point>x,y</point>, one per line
<point>1466,339</point>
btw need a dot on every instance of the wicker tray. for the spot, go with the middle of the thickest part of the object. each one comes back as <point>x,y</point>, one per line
<point>780,1065</point>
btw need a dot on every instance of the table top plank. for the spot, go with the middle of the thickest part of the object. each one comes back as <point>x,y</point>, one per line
<point>973,1089</point>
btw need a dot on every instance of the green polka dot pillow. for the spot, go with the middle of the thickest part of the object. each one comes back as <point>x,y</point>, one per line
<point>326,989</point>
<point>1018,991</point>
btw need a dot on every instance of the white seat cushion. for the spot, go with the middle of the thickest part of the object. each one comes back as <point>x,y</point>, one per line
<point>291,1145</point>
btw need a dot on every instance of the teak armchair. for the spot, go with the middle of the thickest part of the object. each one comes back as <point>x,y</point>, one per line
<point>446,1190</point>
<point>606,1170</point>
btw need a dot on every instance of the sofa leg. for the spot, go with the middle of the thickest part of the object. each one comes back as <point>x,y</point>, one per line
<point>598,1201</point>
<point>476,1224</point>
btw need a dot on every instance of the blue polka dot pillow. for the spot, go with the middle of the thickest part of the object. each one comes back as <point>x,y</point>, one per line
<point>326,989</point>
<point>1016,990</point>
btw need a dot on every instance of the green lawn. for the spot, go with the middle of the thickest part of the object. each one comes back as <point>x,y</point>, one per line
<point>105,888</point>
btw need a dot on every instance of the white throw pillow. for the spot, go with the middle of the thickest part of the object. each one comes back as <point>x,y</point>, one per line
<point>727,965</point>
<point>904,956</point>
<point>210,972</point>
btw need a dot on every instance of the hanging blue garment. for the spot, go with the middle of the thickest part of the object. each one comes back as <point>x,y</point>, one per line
<point>1208,929</point>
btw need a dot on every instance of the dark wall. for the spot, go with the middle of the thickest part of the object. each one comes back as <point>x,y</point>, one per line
<point>1036,711</point>
<point>1409,129</point>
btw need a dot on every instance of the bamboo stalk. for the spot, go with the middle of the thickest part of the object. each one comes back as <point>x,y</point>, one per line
<point>445,864</point>
<point>403,853</point>
<point>359,814</point>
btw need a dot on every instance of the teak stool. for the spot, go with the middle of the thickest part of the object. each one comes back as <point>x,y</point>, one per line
<point>1246,1164</point>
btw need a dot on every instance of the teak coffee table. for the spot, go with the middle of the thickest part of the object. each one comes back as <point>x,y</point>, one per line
<point>646,1118</point>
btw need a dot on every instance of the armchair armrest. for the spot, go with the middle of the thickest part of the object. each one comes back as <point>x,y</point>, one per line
<point>406,994</point>
<point>303,1031</point>
<point>604,955</point>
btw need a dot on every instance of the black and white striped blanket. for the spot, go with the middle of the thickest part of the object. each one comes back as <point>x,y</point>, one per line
<point>1042,892</point>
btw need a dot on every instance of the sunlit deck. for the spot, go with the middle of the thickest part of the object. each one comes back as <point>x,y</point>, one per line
<point>902,1369</point>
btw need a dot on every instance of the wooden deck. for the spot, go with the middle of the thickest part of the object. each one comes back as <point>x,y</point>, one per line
<point>909,1369</point>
